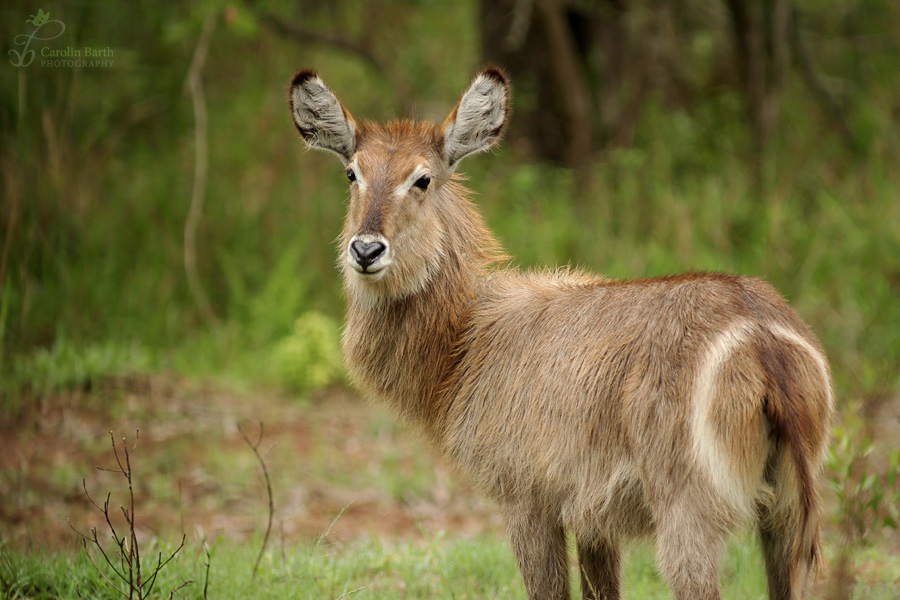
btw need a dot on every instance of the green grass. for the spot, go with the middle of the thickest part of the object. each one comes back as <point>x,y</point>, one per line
<point>437,568</point>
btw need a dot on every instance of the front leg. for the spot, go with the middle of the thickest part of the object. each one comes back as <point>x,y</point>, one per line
<point>599,565</point>
<point>539,544</point>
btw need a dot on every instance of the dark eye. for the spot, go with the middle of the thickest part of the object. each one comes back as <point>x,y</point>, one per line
<point>422,182</point>
<point>351,175</point>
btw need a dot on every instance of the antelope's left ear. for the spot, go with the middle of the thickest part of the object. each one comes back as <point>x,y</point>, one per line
<point>478,120</point>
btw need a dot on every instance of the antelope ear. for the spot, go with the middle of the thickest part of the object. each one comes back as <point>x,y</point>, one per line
<point>478,120</point>
<point>321,119</point>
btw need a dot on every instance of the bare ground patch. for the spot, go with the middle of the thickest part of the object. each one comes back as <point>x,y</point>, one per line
<point>327,456</point>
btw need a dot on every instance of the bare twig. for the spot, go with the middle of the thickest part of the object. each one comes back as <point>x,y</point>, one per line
<point>129,570</point>
<point>98,569</point>
<point>194,85</point>
<point>94,540</point>
<point>183,584</point>
<point>262,464</point>
<point>161,564</point>
<point>208,564</point>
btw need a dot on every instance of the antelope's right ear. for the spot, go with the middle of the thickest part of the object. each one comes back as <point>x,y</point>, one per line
<point>321,119</point>
<point>478,120</point>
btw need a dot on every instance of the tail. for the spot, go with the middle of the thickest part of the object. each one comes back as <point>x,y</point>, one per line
<point>798,408</point>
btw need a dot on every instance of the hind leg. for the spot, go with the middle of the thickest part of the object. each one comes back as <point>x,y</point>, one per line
<point>599,566</point>
<point>788,556</point>
<point>539,544</point>
<point>776,553</point>
<point>688,549</point>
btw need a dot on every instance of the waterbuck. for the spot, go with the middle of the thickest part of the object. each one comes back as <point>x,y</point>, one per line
<point>680,407</point>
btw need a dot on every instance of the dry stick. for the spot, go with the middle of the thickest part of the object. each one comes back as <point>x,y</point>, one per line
<point>183,584</point>
<point>130,560</point>
<point>134,551</point>
<point>102,574</point>
<point>255,448</point>
<point>93,539</point>
<point>133,556</point>
<point>208,563</point>
<point>161,564</point>
<point>194,83</point>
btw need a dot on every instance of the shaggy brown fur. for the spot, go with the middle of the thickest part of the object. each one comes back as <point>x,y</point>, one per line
<point>683,407</point>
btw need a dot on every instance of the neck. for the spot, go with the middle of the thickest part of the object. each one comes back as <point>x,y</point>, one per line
<point>401,351</point>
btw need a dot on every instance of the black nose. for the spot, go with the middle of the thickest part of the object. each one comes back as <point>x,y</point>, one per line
<point>365,253</point>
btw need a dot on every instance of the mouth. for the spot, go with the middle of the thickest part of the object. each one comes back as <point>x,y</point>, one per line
<point>370,273</point>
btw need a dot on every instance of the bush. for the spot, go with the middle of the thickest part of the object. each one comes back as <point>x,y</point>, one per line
<point>310,357</point>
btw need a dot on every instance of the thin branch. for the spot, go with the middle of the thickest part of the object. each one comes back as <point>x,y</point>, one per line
<point>88,494</point>
<point>152,579</point>
<point>206,575</point>
<point>194,84</point>
<point>518,29</point>
<point>183,584</point>
<point>112,439</point>
<point>100,572</point>
<point>255,449</point>
<point>302,35</point>
<point>160,565</point>
<point>134,551</point>
<point>176,551</point>
<point>129,553</point>
<point>816,84</point>
<point>85,539</point>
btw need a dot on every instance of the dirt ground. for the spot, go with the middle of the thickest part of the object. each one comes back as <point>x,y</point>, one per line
<point>336,465</point>
<point>329,456</point>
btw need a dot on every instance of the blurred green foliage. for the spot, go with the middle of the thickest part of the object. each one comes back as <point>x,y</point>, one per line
<point>66,365</point>
<point>97,169</point>
<point>310,357</point>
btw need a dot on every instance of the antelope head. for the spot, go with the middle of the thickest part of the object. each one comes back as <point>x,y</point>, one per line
<point>396,227</point>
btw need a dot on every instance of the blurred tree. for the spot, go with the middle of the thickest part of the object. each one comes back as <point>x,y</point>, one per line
<point>361,44</point>
<point>584,69</point>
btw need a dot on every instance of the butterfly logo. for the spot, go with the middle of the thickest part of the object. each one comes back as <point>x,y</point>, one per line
<point>26,55</point>
<point>39,19</point>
